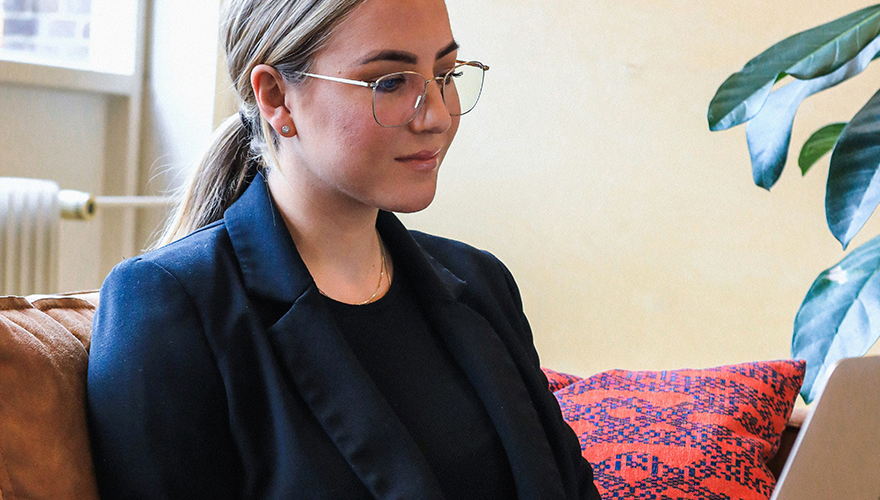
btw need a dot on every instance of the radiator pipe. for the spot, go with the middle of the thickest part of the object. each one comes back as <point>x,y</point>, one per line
<point>78,205</point>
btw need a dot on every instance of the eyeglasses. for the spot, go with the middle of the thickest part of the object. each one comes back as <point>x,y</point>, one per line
<point>398,97</point>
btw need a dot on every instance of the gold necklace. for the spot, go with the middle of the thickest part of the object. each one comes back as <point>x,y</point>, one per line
<point>381,276</point>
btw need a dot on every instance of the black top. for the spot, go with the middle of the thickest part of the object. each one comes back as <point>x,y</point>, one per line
<point>428,392</point>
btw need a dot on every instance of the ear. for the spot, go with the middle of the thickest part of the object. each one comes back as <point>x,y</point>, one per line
<point>269,89</point>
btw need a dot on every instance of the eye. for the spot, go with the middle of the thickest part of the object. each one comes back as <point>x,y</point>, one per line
<point>389,84</point>
<point>452,75</point>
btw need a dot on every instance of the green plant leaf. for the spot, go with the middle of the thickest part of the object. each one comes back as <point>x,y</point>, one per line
<point>847,37</point>
<point>769,133</point>
<point>739,99</point>
<point>840,316</point>
<point>818,145</point>
<point>853,189</point>
<point>809,54</point>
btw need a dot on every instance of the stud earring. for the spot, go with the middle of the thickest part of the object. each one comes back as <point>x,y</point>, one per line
<point>285,130</point>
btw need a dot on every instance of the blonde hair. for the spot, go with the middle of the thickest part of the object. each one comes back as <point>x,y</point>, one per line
<point>285,34</point>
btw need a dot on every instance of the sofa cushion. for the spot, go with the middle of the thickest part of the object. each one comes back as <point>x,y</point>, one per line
<point>684,433</point>
<point>44,445</point>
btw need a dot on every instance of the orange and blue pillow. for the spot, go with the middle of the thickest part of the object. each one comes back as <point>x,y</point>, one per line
<point>682,434</point>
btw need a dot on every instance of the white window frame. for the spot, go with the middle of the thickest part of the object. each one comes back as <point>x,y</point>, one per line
<point>125,94</point>
<point>109,82</point>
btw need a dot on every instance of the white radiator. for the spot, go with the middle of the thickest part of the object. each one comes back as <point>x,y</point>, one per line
<point>29,224</point>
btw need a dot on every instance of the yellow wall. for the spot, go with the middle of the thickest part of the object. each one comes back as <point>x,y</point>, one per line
<point>637,236</point>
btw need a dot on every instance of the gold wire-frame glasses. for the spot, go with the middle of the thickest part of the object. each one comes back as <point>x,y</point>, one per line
<point>398,97</point>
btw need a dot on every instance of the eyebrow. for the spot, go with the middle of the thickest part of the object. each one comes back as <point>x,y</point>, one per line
<point>452,47</point>
<point>403,56</point>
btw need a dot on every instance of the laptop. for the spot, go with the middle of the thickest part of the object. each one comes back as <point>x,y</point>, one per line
<point>837,452</point>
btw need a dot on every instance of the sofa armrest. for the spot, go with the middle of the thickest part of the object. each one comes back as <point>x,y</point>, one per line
<point>44,444</point>
<point>90,296</point>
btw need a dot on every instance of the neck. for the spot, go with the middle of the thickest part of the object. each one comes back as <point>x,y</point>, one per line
<point>339,244</point>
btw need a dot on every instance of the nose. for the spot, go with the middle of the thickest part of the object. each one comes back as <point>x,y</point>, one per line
<point>434,116</point>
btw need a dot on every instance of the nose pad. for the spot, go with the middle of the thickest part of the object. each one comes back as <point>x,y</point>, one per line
<point>432,115</point>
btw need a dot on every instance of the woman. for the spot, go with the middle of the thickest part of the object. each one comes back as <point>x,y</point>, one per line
<point>300,343</point>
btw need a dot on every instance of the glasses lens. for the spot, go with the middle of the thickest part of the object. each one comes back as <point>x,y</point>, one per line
<point>397,98</point>
<point>462,90</point>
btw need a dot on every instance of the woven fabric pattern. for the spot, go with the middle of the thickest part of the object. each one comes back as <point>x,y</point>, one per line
<point>558,380</point>
<point>683,434</point>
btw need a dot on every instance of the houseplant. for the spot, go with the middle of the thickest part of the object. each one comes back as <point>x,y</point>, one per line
<point>840,316</point>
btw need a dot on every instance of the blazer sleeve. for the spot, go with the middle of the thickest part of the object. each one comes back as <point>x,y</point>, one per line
<point>158,416</point>
<point>583,471</point>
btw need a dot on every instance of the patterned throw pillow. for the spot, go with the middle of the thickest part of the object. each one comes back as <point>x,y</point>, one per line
<point>559,380</point>
<point>684,434</point>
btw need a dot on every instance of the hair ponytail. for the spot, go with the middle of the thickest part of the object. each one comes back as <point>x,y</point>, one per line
<point>285,35</point>
<point>219,179</point>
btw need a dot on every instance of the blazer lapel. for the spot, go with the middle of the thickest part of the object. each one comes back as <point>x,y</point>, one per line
<point>320,364</point>
<point>352,411</point>
<point>483,357</point>
<point>477,347</point>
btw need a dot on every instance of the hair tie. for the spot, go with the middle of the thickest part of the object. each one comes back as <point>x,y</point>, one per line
<point>248,126</point>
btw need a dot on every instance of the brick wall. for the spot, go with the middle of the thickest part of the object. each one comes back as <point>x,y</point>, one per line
<point>51,29</point>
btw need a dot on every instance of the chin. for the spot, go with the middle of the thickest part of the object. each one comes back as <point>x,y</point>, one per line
<point>412,203</point>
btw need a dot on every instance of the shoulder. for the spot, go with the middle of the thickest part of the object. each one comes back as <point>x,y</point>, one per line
<point>198,249</point>
<point>164,279</point>
<point>489,285</point>
<point>191,262</point>
<point>151,319</point>
<point>489,289</point>
<point>169,295</point>
<point>463,260</point>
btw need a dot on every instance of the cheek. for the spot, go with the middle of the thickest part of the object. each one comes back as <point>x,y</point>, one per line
<point>450,133</point>
<point>345,131</point>
<point>453,128</point>
<point>361,140</point>
<point>338,108</point>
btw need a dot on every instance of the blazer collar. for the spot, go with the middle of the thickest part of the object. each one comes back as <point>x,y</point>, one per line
<point>271,266</point>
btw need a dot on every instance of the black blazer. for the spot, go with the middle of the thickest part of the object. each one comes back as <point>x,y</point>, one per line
<point>217,372</point>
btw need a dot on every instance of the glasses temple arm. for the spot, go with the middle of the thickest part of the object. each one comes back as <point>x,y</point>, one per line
<point>337,80</point>
<point>484,67</point>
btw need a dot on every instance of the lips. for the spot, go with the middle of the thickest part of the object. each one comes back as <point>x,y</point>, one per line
<point>424,155</point>
<point>423,160</point>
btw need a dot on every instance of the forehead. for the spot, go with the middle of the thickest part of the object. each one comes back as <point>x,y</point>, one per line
<point>417,26</point>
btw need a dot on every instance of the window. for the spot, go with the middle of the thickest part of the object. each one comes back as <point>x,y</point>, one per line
<point>97,35</point>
